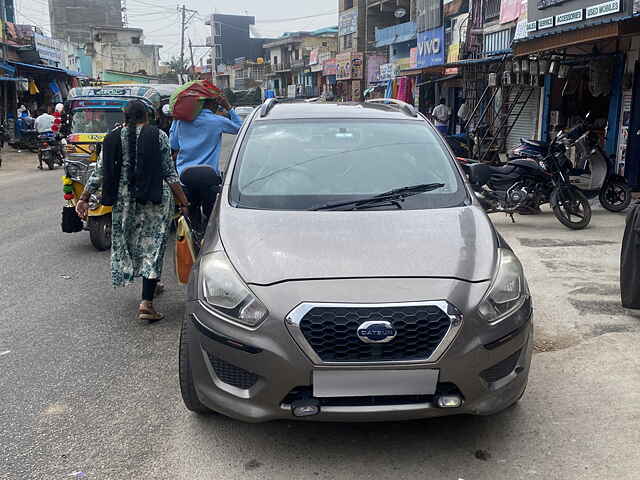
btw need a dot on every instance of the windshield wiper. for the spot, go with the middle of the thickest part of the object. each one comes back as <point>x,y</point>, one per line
<point>395,194</point>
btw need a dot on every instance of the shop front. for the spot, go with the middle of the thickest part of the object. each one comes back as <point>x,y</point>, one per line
<point>581,48</point>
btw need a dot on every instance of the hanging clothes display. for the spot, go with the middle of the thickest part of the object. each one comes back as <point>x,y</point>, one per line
<point>55,92</point>
<point>405,90</point>
<point>33,88</point>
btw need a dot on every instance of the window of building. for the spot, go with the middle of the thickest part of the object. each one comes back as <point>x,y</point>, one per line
<point>135,40</point>
<point>275,60</point>
<point>347,42</point>
<point>348,4</point>
<point>325,44</point>
<point>296,54</point>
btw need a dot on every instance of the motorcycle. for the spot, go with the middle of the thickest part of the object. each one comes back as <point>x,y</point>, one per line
<point>526,183</point>
<point>50,151</point>
<point>595,173</point>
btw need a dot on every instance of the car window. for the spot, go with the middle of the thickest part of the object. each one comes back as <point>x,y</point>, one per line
<point>296,165</point>
<point>95,121</point>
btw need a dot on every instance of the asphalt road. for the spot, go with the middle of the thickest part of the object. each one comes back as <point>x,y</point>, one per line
<point>86,391</point>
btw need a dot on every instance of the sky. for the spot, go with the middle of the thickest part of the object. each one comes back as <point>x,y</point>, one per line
<point>160,20</point>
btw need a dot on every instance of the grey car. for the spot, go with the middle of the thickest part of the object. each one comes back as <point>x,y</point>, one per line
<point>349,274</point>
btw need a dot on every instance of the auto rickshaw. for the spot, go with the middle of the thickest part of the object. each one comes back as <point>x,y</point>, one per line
<point>95,111</point>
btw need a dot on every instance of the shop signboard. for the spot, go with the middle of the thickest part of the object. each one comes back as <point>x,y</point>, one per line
<point>569,17</point>
<point>343,65</point>
<point>330,68</point>
<point>49,49</point>
<point>313,57</point>
<point>552,16</point>
<point>606,8</point>
<point>453,53</point>
<point>431,48</point>
<point>357,66</point>
<point>348,22</point>
<point>413,57</point>
<point>388,71</point>
<point>373,67</point>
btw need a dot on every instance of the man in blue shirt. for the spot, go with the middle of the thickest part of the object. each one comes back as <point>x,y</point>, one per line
<point>199,143</point>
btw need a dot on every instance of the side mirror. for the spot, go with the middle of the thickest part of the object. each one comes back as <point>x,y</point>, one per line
<point>479,174</point>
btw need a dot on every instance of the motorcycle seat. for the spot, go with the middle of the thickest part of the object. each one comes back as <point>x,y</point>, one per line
<point>535,143</point>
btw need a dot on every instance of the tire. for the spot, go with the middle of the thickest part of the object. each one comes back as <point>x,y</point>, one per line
<point>48,159</point>
<point>187,389</point>
<point>100,232</point>
<point>569,202</point>
<point>615,196</point>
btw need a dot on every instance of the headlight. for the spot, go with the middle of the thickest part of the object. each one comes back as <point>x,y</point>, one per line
<point>508,292</point>
<point>226,293</point>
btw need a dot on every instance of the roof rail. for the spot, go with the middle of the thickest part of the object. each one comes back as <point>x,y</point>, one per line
<point>403,106</point>
<point>267,106</point>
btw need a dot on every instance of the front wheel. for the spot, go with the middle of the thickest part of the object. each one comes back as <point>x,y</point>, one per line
<point>100,232</point>
<point>571,207</point>
<point>615,195</point>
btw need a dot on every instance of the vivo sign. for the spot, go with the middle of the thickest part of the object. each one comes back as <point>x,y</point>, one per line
<point>431,48</point>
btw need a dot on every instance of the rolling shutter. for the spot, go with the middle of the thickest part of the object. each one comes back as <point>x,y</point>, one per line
<point>527,123</point>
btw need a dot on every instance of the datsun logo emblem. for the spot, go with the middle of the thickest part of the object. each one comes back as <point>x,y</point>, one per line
<point>376,332</point>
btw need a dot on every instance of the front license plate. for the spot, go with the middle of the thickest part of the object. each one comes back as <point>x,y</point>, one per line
<point>366,383</point>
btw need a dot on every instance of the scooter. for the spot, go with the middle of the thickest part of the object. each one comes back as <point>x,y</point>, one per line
<point>595,173</point>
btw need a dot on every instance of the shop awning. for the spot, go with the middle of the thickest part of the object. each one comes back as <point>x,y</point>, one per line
<point>7,68</point>
<point>575,36</point>
<point>11,79</point>
<point>403,32</point>
<point>38,67</point>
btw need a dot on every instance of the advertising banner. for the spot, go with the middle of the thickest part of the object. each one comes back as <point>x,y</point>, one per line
<point>509,10</point>
<point>388,71</point>
<point>373,67</point>
<point>48,49</point>
<point>348,22</point>
<point>357,66</point>
<point>343,64</point>
<point>431,48</point>
<point>330,67</point>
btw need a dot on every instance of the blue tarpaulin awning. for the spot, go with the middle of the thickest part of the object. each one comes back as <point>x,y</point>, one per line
<point>38,67</point>
<point>7,68</point>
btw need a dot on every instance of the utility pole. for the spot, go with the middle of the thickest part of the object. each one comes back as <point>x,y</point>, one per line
<point>193,64</point>
<point>183,28</point>
<point>214,52</point>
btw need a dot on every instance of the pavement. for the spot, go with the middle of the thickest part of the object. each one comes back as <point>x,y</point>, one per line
<point>86,391</point>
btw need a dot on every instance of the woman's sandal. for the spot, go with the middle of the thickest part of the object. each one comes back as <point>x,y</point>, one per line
<point>149,314</point>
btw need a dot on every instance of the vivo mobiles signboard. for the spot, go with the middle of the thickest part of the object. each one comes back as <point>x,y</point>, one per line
<point>431,48</point>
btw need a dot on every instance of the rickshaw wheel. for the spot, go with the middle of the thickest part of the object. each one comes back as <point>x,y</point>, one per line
<point>100,232</point>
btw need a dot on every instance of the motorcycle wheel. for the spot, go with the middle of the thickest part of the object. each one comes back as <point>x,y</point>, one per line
<point>100,232</point>
<point>571,208</point>
<point>50,162</point>
<point>615,196</point>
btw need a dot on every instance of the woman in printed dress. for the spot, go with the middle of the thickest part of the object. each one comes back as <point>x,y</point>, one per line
<point>138,178</point>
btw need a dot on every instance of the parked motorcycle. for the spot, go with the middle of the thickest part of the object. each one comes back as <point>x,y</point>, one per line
<point>595,173</point>
<point>527,183</point>
<point>50,151</point>
<point>26,135</point>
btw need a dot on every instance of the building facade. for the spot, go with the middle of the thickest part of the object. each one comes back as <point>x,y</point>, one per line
<point>122,51</point>
<point>233,39</point>
<point>72,19</point>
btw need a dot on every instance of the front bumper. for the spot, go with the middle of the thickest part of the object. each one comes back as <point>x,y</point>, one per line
<point>257,377</point>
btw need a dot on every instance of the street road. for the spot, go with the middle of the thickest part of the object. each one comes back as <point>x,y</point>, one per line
<point>86,391</point>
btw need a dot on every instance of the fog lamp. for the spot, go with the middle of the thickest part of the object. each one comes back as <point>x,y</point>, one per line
<point>305,408</point>
<point>449,401</point>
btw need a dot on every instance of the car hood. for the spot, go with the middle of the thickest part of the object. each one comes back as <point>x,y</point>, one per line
<point>268,247</point>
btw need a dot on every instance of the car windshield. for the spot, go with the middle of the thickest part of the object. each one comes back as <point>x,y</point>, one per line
<point>302,164</point>
<point>95,121</point>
